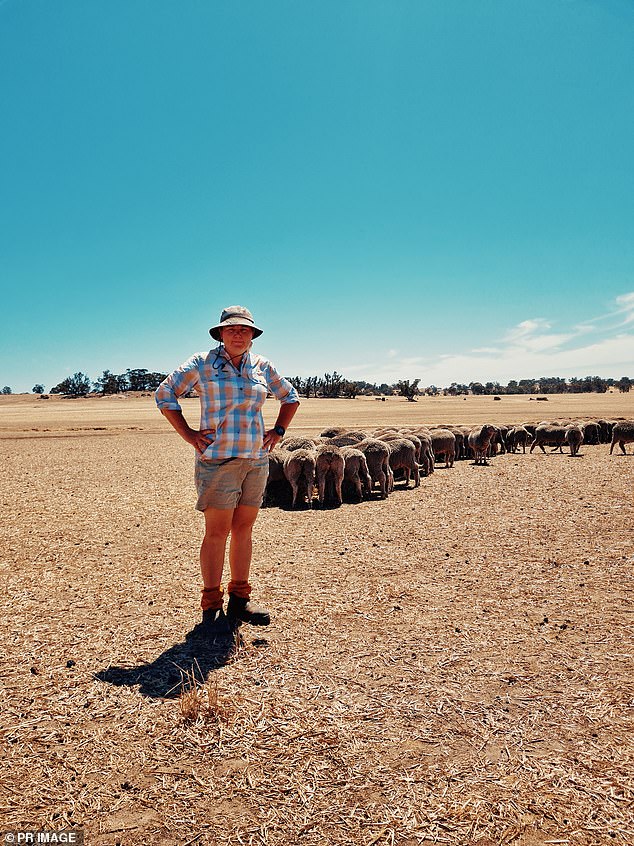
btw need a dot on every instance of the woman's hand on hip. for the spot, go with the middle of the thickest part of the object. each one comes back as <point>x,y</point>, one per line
<point>200,440</point>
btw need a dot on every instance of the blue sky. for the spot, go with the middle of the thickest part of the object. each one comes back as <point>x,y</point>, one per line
<point>436,190</point>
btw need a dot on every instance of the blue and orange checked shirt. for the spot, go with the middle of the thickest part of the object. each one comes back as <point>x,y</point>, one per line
<point>231,400</point>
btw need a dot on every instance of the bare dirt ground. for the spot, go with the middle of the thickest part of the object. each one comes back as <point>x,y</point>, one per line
<point>453,665</point>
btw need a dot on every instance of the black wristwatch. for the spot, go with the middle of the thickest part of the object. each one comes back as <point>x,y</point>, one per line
<point>279,430</point>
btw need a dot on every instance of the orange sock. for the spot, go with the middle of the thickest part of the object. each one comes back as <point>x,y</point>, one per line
<point>212,598</point>
<point>241,589</point>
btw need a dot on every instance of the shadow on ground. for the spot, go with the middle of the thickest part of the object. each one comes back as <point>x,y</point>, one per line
<point>164,677</point>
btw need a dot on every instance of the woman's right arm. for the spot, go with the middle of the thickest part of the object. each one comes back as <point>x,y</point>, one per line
<point>181,381</point>
<point>199,439</point>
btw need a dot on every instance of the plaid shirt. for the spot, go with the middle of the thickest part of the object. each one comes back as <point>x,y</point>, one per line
<point>231,400</point>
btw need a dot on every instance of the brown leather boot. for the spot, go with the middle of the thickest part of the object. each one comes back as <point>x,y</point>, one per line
<point>241,610</point>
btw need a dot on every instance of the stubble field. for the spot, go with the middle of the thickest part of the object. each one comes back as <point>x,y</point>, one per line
<point>453,665</point>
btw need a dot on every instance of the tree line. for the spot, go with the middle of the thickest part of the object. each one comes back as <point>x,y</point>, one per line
<point>79,384</point>
<point>334,385</point>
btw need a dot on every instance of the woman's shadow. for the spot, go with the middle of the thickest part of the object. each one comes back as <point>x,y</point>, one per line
<point>176,668</point>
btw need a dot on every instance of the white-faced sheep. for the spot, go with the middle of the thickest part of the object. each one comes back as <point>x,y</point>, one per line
<point>355,472</point>
<point>377,454</point>
<point>622,433</point>
<point>479,442</point>
<point>329,468</point>
<point>444,444</point>
<point>549,435</point>
<point>299,469</point>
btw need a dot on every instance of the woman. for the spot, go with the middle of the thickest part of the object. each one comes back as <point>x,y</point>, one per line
<point>231,456</point>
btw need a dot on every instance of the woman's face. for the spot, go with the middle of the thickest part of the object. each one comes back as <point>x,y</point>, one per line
<point>237,339</point>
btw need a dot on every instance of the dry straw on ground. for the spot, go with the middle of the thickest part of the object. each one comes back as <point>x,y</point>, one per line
<point>451,666</point>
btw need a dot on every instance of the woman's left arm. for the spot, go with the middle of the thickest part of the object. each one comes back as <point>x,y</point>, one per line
<point>282,389</point>
<point>286,414</point>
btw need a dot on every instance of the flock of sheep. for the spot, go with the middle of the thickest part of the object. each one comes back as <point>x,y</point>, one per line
<point>352,464</point>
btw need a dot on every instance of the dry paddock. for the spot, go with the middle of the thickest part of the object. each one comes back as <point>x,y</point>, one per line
<point>453,665</point>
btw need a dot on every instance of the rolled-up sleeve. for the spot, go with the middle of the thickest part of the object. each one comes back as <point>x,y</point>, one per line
<point>280,387</point>
<point>181,381</point>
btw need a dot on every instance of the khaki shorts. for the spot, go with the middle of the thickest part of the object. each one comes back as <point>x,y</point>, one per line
<point>228,482</point>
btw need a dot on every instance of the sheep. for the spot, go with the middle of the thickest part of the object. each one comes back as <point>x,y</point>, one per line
<point>290,444</point>
<point>479,441</point>
<point>426,456</point>
<point>605,430</point>
<point>403,457</point>
<point>591,434</point>
<point>393,436</point>
<point>551,435</point>
<point>377,456</point>
<point>499,437</point>
<point>574,438</point>
<point>355,472</point>
<point>347,438</point>
<point>444,443</point>
<point>329,466</point>
<point>299,469</point>
<point>622,433</point>
<point>418,445</point>
<point>460,441</point>
<point>332,431</point>
<point>516,437</point>
<point>277,486</point>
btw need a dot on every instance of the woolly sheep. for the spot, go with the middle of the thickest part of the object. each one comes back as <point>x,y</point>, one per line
<point>329,467</point>
<point>517,437</point>
<point>479,441</point>
<point>403,457</point>
<point>355,472</point>
<point>574,438</point>
<point>622,433</point>
<point>332,431</point>
<point>348,438</point>
<point>299,469</point>
<point>277,487</point>
<point>377,456</point>
<point>551,435</point>
<point>444,443</point>
<point>290,444</point>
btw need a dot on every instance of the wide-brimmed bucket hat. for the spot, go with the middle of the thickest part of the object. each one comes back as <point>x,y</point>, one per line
<point>235,316</point>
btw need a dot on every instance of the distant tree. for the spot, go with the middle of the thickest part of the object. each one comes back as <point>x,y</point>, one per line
<point>408,389</point>
<point>624,384</point>
<point>332,384</point>
<point>153,380</point>
<point>77,385</point>
<point>6,390</point>
<point>350,389</point>
<point>138,380</point>
<point>108,383</point>
<point>38,389</point>
<point>477,388</point>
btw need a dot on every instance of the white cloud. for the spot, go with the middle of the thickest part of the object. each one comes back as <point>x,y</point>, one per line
<point>527,351</point>
<point>625,306</point>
